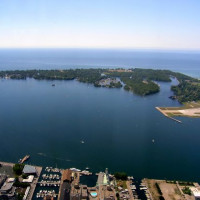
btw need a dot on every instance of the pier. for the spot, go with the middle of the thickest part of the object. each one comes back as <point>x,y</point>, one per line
<point>160,110</point>
<point>21,161</point>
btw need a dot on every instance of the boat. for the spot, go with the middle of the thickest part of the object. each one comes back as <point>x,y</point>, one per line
<point>87,168</point>
<point>74,169</point>
<point>82,142</point>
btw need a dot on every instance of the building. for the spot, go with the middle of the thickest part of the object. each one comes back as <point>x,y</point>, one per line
<point>84,192</point>
<point>103,178</point>
<point>7,190</point>
<point>67,176</point>
<point>26,193</point>
<point>29,179</point>
<point>195,192</point>
<point>2,179</point>
<point>29,170</point>
<point>65,186</point>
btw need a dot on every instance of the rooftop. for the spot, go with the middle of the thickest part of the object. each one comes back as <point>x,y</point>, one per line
<point>195,191</point>
<point>67,175</point>
<point>28,169</point>
<point>6,186</point>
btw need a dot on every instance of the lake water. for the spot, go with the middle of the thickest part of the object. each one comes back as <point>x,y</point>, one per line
<point>186,62</point>
<point>117,127</point>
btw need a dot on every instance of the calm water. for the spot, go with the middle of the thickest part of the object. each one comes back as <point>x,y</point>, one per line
<point>117,126</point>
<point>186,62</point>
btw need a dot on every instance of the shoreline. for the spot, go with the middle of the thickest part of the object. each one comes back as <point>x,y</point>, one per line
<point>176,120</point>
<point>189,109</point>
<point>33,185</point>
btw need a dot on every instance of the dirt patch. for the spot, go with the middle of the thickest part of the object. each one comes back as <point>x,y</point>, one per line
<point>170,191</point>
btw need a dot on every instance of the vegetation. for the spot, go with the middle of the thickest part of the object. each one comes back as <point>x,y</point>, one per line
<point>117,195</point>
<point>21,184</point>
<point>139,87</point>
<point>142,81</point>
<point>115,85</point>
<point>18,168</point>
<point>122,184</point>
<point>187,91</point>
<point>139,81</point>
<point>20,196</point>
<point>24,176</point>
<point>186,190</point>
<point>121,176</point>
<point>185,183</point>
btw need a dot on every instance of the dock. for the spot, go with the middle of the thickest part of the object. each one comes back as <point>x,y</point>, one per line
<point>25,158</point>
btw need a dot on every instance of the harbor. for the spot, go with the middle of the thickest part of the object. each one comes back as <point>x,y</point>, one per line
<point>65,184</point>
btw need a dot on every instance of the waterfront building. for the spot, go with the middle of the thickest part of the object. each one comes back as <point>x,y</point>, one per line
<point>7,190</point>
<point>2,179</point>
<point>103,178</point>
<point>195,192</point>
<point>29,170</point>
<point>29,179</point>
<point>65,186</point>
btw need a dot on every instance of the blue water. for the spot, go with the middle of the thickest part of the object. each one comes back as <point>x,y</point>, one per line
<point>117,126</point>
<point>182,61</point>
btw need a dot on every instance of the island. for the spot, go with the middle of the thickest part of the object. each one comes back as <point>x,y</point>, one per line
<point>139,81</point>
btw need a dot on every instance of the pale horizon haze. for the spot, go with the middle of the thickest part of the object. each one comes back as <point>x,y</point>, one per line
<point>134,24</point>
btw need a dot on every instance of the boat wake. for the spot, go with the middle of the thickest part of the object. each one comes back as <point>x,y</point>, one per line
<point>45,155</point>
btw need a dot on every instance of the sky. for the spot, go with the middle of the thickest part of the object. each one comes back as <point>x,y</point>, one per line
<point>132,24</point>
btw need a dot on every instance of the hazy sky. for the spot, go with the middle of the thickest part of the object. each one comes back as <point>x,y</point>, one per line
<point>162,24</point>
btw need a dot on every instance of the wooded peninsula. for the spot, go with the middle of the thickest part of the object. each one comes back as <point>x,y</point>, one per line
<point>140,81</point>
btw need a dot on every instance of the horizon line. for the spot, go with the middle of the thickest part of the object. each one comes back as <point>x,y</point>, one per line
<point>110,48</point>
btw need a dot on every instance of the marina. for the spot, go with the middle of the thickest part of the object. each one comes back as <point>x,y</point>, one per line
<point>46,193</point>
<point>45,183</point>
